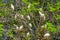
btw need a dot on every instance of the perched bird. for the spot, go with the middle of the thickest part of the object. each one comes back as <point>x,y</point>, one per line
<point>12,6</point>
<point>28,17</point>
<point>30,24</point>
<point>42,15</point>
<point>28,34</point>
<point>29,5</point>
<point>16,26</point>
<point>47,35</point>
<point>21,27</point>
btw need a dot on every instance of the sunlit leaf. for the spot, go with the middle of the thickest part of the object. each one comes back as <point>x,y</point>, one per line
<point>51,27</point>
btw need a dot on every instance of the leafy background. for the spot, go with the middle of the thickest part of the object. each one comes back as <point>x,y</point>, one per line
<point>51,24</point>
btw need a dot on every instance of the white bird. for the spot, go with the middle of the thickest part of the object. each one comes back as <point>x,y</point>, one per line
<point>28,34</point>
<point>47,35</point>
<point>21,27</point>
<point>42,15</point>
<point>44,26</point>
<point>30,24</point>
<point>16,26</point>
<point>28,17</point>
<point>12,6</point>
<point>29,5</point>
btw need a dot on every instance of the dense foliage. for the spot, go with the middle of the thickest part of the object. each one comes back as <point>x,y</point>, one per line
<point>29,19</point>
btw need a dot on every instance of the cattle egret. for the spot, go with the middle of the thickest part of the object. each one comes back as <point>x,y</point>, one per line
<point>47,34</point>
<point>28,34</point>
<point>21,27</point>
<point>44,26</point>
<point>30,24</point>
<point>12,6</point>
<point>42,15</point>
<point>28,17</point>
<point>29,5</point>
<point>16,26</point>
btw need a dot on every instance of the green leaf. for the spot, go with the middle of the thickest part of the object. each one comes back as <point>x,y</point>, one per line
<point>58,17</point>
<point>52,9</point>
<point>1,29</point>
<point>0,34</point>
<point>25,1</point>
<point>1,25</point>
<point>58,5</point>
<point>58,28</point>
<point>50,27</point>
<point>9,33</point>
